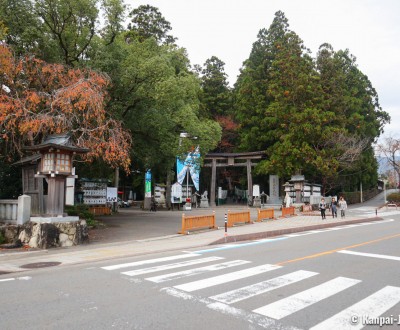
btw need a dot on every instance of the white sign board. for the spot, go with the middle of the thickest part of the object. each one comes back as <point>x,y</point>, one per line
<point>256,190</point>
<point>112,194</point>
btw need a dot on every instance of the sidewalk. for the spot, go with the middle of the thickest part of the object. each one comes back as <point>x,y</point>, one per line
<point>134,232</point>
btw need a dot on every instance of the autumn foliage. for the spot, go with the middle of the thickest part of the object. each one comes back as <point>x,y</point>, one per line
<point>38,99</point>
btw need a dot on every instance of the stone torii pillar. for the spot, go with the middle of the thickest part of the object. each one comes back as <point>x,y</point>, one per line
<point>213,179</point>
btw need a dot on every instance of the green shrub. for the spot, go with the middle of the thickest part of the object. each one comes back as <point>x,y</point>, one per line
<point>394,197</point>
<point>2,238</point>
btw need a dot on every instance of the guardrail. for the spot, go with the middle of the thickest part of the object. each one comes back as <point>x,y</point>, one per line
<point>238,217</point>
<point>288,211</point>
<point>196,222</point>
<point>265,214</point>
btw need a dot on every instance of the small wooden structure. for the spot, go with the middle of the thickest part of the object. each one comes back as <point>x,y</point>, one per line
<point>52,161</point>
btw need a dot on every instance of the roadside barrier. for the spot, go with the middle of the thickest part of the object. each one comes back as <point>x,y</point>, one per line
<point>265,214</point>
<point>100,210</point>
<point>287,211</point>
<point>238,217</point>
<point>195,222</point>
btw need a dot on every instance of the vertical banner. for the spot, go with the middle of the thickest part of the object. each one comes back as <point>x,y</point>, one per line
<point>181,170</point>
<point>147,187</point>
<point>191,163</point>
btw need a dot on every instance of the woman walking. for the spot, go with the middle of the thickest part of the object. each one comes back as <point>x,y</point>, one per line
<point>342,207</point>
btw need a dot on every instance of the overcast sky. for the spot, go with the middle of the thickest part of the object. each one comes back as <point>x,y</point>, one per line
<point>370,29</point>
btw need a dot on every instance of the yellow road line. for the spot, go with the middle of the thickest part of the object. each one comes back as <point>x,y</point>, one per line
<point>335,250</point>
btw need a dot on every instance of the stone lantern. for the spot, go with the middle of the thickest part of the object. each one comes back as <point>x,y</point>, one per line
<point>57,152</point>
<point>298,183</point>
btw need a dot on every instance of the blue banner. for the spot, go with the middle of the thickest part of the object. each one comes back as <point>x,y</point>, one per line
<point>191,163</point>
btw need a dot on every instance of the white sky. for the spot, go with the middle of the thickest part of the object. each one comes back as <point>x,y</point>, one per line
<point>370,29</point>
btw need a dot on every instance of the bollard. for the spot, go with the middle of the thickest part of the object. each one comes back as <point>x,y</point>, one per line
<point>226,226</point>
<point>376,212</point>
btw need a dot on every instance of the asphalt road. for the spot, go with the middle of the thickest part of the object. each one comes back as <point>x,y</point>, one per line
<point>337,278</point>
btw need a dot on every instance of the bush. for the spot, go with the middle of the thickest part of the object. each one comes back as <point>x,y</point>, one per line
<point>80,210</point>
<point>2,238</point>
<point>394,198</point>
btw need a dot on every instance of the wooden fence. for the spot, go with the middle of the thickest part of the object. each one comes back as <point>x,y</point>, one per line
<point>196,222</point>
<point>265,214</point>
<point>288,211</point>
<point>238,217</point>
<point>100,210</point>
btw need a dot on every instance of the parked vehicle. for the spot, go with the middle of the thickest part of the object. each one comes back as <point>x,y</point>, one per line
<point>122,203</point>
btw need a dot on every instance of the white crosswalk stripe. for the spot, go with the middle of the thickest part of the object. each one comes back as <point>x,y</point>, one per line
<point>296,302</point>
<point>229,277</point>
<point>249,291</point>
<point>373,306</point>
<point>150,261</point>
<point>196,271</point>
<point>170,266</point>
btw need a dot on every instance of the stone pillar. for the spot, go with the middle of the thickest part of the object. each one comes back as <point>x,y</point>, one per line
<point>24,209</point>
<point>249,182</point>
<point>213,179</point>
<point>274,189</point>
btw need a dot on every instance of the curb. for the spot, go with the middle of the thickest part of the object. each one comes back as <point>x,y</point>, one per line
<point>278,232</point>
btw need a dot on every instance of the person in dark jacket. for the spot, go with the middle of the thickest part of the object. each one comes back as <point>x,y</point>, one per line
<point>322,208</point>
<point>334,207</point>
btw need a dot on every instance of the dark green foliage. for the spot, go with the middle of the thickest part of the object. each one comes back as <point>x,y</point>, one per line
<point>148,22</point>
<point>82,211</point>
<point>319,116</point>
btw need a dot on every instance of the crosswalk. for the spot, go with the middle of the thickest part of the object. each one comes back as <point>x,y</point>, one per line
<point>222,276</point>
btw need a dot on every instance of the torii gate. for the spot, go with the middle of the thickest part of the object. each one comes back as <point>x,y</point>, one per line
<point>232,160</point>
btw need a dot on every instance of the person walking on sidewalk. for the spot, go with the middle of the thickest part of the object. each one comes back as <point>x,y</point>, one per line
<point>334,207</point>
<point>322,207</point>
<point>342,207</point>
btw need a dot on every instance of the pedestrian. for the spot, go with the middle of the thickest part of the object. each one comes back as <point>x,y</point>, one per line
<point>342,206</point>
<point>153,204</point>
<point>334,207</point>
<point>322,208</point>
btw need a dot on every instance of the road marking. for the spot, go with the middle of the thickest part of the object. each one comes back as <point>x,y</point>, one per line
<point>372,255</point>
<point>196,271</point>
<point>235,246</point>
<point>336,250</point>
<point>249,291</point>
<point>240,314</point>
<point>150,261</point>
<point>225,278</point>
<point>372,307</point>
<point>296,302</point>
<point>336,228</point>
<point>170,266</point>
<point>22,278</point>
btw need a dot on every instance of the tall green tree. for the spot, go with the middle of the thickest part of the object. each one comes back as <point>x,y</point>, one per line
<point>148,22</point>
<point>293,107</point>
<point>216,101</point>
<point>157,97</point>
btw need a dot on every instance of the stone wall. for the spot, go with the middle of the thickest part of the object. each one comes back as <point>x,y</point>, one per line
<point>46,235</point>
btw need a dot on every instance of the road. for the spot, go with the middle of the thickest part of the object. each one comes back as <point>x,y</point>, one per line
<point>336,278</point>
